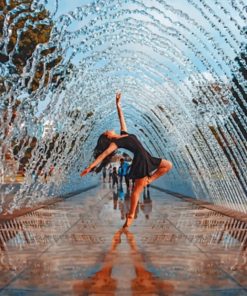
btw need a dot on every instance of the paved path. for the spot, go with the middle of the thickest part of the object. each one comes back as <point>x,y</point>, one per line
<point>76,247</point>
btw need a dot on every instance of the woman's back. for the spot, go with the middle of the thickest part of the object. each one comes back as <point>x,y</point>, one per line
<point>143,163</point>
<point>130,142</point>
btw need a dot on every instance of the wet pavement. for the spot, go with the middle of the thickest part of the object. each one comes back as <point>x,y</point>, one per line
<point>77,247</point>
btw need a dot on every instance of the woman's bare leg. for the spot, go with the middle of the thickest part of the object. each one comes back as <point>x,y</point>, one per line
<point>164,167</point>
<point>134,198</point>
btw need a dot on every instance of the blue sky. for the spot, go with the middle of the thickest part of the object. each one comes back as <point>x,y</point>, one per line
<point>65,6</point>
<point>170,20</point>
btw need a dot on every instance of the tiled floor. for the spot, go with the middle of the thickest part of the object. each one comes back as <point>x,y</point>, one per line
<point>77,247</point>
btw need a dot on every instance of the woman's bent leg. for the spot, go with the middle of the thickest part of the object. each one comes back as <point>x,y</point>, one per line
<point>164,167</point>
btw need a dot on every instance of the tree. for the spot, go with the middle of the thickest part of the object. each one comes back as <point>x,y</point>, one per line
<point>33,28</point>
<point>22,29</point>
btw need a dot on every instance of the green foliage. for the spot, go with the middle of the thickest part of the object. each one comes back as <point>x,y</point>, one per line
<point>23,48</point>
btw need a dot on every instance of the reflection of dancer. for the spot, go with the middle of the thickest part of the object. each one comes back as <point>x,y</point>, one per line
<point>143,163</point>
<point>103,283</point>
<point>145,281</point>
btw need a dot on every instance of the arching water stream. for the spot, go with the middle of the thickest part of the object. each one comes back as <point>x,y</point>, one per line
<point>181,66</point>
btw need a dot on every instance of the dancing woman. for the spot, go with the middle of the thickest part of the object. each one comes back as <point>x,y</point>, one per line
<point>145,168</point>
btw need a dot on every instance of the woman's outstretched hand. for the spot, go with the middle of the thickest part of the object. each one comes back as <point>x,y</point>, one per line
<point>118,97</point>
<point>85,172</point>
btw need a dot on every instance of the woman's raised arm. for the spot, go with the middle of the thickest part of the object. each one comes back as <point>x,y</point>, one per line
<point>123,126</point>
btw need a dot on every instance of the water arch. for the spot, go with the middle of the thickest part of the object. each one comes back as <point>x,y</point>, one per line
<point>182,70</point>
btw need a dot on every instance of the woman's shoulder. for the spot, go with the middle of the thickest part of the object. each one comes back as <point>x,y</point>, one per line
<point>124,133</point>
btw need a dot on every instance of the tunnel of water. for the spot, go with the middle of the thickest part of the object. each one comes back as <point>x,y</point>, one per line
<point>180,65</point>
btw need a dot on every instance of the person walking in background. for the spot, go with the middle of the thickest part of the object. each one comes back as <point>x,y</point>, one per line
<point>123,172</point>
<point>145,168</point>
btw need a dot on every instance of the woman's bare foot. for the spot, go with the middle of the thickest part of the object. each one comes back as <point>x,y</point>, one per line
<point>129,220</point>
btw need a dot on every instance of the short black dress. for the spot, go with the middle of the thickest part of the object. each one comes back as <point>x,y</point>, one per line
<point>143,163</point>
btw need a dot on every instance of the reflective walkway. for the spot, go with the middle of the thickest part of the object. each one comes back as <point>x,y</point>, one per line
<point>77,247</point>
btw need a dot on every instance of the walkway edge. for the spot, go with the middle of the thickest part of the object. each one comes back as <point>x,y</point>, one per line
<point>21,212</point>
<point>216,208</point>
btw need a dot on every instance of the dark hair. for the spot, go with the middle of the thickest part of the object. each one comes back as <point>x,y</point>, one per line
<point>102,144</point>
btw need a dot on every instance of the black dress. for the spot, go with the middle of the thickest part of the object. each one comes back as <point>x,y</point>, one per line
<point>143,163</point>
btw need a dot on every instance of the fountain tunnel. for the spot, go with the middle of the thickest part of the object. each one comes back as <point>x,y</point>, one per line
<point>181,68</point>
